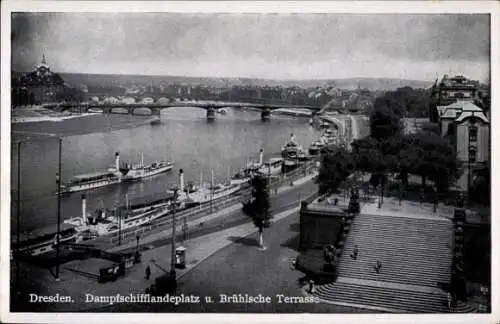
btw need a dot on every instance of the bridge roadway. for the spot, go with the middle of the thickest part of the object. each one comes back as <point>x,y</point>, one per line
<point>156,108</point>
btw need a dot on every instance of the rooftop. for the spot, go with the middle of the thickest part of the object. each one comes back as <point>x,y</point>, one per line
<point>327,204</point>
<point>465,108</point>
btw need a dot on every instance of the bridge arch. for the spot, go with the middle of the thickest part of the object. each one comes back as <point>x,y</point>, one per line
<point>336,122</point>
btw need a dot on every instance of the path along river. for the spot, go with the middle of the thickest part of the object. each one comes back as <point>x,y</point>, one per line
<point>184,137</point>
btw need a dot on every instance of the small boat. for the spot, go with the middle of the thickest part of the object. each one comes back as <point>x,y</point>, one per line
<point>289,165</point>
<point>95,110</point>
<point>293,151</point>
<point>242,177</point>
<point>140,171</point>
<point>202,195</point>
<point>94,180</point>
<point>316,147</point>
<point>44,240</point>
<point>272,167</point>
<point>324,125</point>
<point>155,121</point>
<point>135,218</point>
<point>90,181</point>
<point>222,111</point>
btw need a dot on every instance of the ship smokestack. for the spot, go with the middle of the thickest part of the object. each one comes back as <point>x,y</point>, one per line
<point>181,181</point>
<point>84,209</point>
<point>117,161</point>
<point>261,157</point>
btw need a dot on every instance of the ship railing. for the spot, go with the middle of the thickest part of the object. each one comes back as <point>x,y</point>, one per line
<point>195,213</point>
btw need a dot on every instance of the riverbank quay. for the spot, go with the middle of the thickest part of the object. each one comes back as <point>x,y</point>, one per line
<point>35,114</point>
<point>77,278</point>
<point>201,214</point>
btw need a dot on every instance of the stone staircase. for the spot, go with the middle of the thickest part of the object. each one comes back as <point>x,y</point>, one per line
<point>382,299</point>
<point>415,254</point>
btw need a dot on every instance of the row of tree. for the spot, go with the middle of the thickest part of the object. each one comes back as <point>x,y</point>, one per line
<point>388,150</point>
<point>405,102</point>
<point>21,97</point>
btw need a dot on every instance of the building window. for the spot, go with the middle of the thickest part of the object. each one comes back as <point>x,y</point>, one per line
<point>472,133</point>
<point>472,154</point>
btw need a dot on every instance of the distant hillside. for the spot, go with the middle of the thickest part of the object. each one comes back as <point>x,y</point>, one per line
<point>372,84</point>
<point>380,83</point>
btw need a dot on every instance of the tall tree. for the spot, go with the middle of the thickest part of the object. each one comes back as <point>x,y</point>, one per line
<point>435,160</point>
<point>336,165</point>
<point>385,124</point>
<point>258,208</point>
<point>31,99</point>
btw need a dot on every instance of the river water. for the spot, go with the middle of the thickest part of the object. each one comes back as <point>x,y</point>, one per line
<point>184,137</point>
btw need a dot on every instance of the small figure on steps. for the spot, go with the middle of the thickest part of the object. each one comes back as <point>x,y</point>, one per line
<point>354,254</point>
<point>378,266</point>
<point>311,286</point>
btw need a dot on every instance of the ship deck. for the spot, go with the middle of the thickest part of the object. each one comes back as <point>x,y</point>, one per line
<point>49,229</point>
<point>92,175</point>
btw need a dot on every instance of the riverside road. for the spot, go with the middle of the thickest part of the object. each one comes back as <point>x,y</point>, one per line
<point>241,268</point>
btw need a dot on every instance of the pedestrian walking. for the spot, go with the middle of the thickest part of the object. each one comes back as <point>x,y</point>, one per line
<point>378,266</point>
<point>354,254</point>
<point>311,286</point>
<point>450,299</point>
<point>148,272</point>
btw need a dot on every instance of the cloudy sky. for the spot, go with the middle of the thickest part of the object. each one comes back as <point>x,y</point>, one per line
<point>275,46</point>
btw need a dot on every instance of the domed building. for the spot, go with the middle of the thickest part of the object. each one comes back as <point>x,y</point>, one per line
<point>37,87</point>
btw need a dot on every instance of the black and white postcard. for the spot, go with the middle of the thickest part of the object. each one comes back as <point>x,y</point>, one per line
<point>248,161</point>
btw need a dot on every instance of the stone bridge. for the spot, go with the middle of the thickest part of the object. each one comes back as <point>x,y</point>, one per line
<point>339,121</point>
<point>155,108</point>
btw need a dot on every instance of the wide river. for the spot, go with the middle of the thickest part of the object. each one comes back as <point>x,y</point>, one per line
<point>184,137</point>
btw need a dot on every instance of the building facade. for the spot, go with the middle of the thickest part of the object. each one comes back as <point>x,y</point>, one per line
<point>450,90</point>
<point>467,127</point>
<point>37,87</point>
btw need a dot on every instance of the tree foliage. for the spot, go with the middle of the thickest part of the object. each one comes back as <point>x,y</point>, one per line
<point>480,189</point>
<point>384,123</point>
<point>406,102</point>
<point>425,154</point>
<point>258,207</point>
<point>435,159</point>
<point>336,165</point>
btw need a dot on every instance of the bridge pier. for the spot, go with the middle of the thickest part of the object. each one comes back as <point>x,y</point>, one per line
<point>155,111</point>
<point>265,115</point>
<point>210,114</point>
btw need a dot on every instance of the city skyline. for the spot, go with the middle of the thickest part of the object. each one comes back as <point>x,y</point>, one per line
<point>267,46</point>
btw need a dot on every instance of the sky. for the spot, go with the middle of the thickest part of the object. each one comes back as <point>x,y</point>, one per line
<point>272,46</point>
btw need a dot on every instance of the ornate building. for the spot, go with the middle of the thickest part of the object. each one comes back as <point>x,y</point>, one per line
<point>450,90</point>
<point>467,128</point>
<point>36,87</point>
<point>459,109</point>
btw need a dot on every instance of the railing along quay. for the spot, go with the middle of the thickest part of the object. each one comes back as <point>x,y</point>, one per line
<point>194,213</point>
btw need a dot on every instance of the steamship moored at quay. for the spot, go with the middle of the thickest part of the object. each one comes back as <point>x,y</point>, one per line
<point>115,175</point>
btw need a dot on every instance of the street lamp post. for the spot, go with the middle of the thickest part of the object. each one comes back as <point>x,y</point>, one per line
<point>172,261</point>
<point>120,211</point>
<point>18,225</point>
<point>58,236</point>
<point>468,169</point>
<point>185,228</point>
